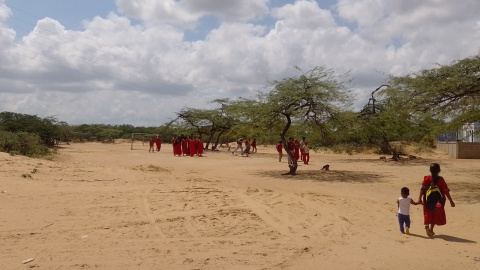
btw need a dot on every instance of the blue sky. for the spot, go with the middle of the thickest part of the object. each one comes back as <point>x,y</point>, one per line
<point>139,62</point>
<point>69,13</point>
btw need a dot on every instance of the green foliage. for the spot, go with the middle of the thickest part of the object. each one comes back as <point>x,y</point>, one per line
<point>209,124</point>
<point>44,127</point>
<point>22,143</point>
<point>448,93</point>
<point>315,97</point>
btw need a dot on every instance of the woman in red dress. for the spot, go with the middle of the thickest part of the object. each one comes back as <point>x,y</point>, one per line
<point>199,147</point>
<point>185,146</point>
<point>177,147</point>
<point>296,153</point>
<point>192,144</point>
<point>437,216</point>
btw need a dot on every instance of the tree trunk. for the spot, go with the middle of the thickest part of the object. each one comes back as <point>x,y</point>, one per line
<point>218,138</point>
<point>293,165</point>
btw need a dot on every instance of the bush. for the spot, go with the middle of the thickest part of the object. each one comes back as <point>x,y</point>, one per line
<point>22,143</point>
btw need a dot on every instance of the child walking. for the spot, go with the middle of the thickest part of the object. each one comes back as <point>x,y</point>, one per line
<point>280,151</point>
<point>403,203</point>
<point>305,153</point>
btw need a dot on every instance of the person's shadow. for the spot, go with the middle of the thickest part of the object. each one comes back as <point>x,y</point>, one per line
<point>418,235</point>
<point>450,238</point>
<point>445,238</point>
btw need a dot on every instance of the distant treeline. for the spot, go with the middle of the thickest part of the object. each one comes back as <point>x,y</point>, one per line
<point>316,104</point>
<point>31,135</point>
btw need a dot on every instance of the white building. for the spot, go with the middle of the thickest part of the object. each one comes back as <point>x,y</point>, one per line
<point>469,133</point>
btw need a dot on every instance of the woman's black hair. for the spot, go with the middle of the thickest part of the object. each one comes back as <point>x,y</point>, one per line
<point>435,170</point>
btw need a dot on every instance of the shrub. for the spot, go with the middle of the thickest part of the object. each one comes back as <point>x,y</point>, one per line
<point>22,143</point>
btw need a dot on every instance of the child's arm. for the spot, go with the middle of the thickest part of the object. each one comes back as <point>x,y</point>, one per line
<point>413,202</point>
<point>398,204</point>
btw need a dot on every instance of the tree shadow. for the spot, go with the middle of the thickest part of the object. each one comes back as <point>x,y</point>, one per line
<point>389,161</point>
<point>450,238</point>
<point>326,176</point>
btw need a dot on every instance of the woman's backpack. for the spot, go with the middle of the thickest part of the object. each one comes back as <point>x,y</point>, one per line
<point>433,197</point>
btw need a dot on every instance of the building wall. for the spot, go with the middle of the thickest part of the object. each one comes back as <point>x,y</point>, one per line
<point>460,150</point>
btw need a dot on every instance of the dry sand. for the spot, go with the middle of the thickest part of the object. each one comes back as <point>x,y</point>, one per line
<point>104,206</point>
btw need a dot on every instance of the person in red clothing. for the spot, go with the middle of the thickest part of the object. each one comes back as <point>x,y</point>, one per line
<point>280,151</point>
<point>302,143</point>
<point>192,146</point>
<point>158,143</point>
<point>296,151</point>
<point>437,216</point>
<point>184,142</point>
<point>199,147</point>
<point>152,142</point>
<point>306,153</point>
<point>247,146</point>
<point>177,147</point>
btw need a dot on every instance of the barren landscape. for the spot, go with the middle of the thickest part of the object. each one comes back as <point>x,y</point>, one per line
<point>105,206</point>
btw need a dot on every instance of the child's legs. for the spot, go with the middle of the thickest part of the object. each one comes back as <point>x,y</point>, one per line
<point>402,219</point>
<point>407,221</point>
<point>238,147</point>
<point>307,157</point>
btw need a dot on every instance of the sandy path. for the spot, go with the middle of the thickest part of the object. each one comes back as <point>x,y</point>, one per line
<point>108,207</point>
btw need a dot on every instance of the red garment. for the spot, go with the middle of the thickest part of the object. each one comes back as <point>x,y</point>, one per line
<point>296,153</point>
<point>199,147</point>
<point>306,157</point>
<point>193,147</point>
<point>436,216</point>
<point>152,142</point>
<point>279,148</point>
<point>158,142</point>
<point>177,148</point>
<point>184,147</point>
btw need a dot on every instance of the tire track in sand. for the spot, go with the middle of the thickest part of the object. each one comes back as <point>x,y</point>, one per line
<point>148,213</point>
<point>264,212</point>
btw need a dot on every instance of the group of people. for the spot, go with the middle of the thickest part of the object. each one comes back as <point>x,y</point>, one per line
<point>250,146</point>
<point>300,150</point>
<point>187,146</point>
<point>155,141</point>
<point>433,214</point>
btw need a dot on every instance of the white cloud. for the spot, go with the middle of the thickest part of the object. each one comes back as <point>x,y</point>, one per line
<point>186,13</point>
<point>117,70</point>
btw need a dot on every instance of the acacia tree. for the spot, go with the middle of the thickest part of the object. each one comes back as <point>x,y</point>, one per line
<point>447,92</point>
<point>314,97</point>
<point>209,122</point>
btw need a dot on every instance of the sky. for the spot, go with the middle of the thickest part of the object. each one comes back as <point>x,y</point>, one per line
<point>139,62</point>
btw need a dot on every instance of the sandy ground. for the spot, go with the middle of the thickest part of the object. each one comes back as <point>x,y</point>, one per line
<point>105,206</point>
